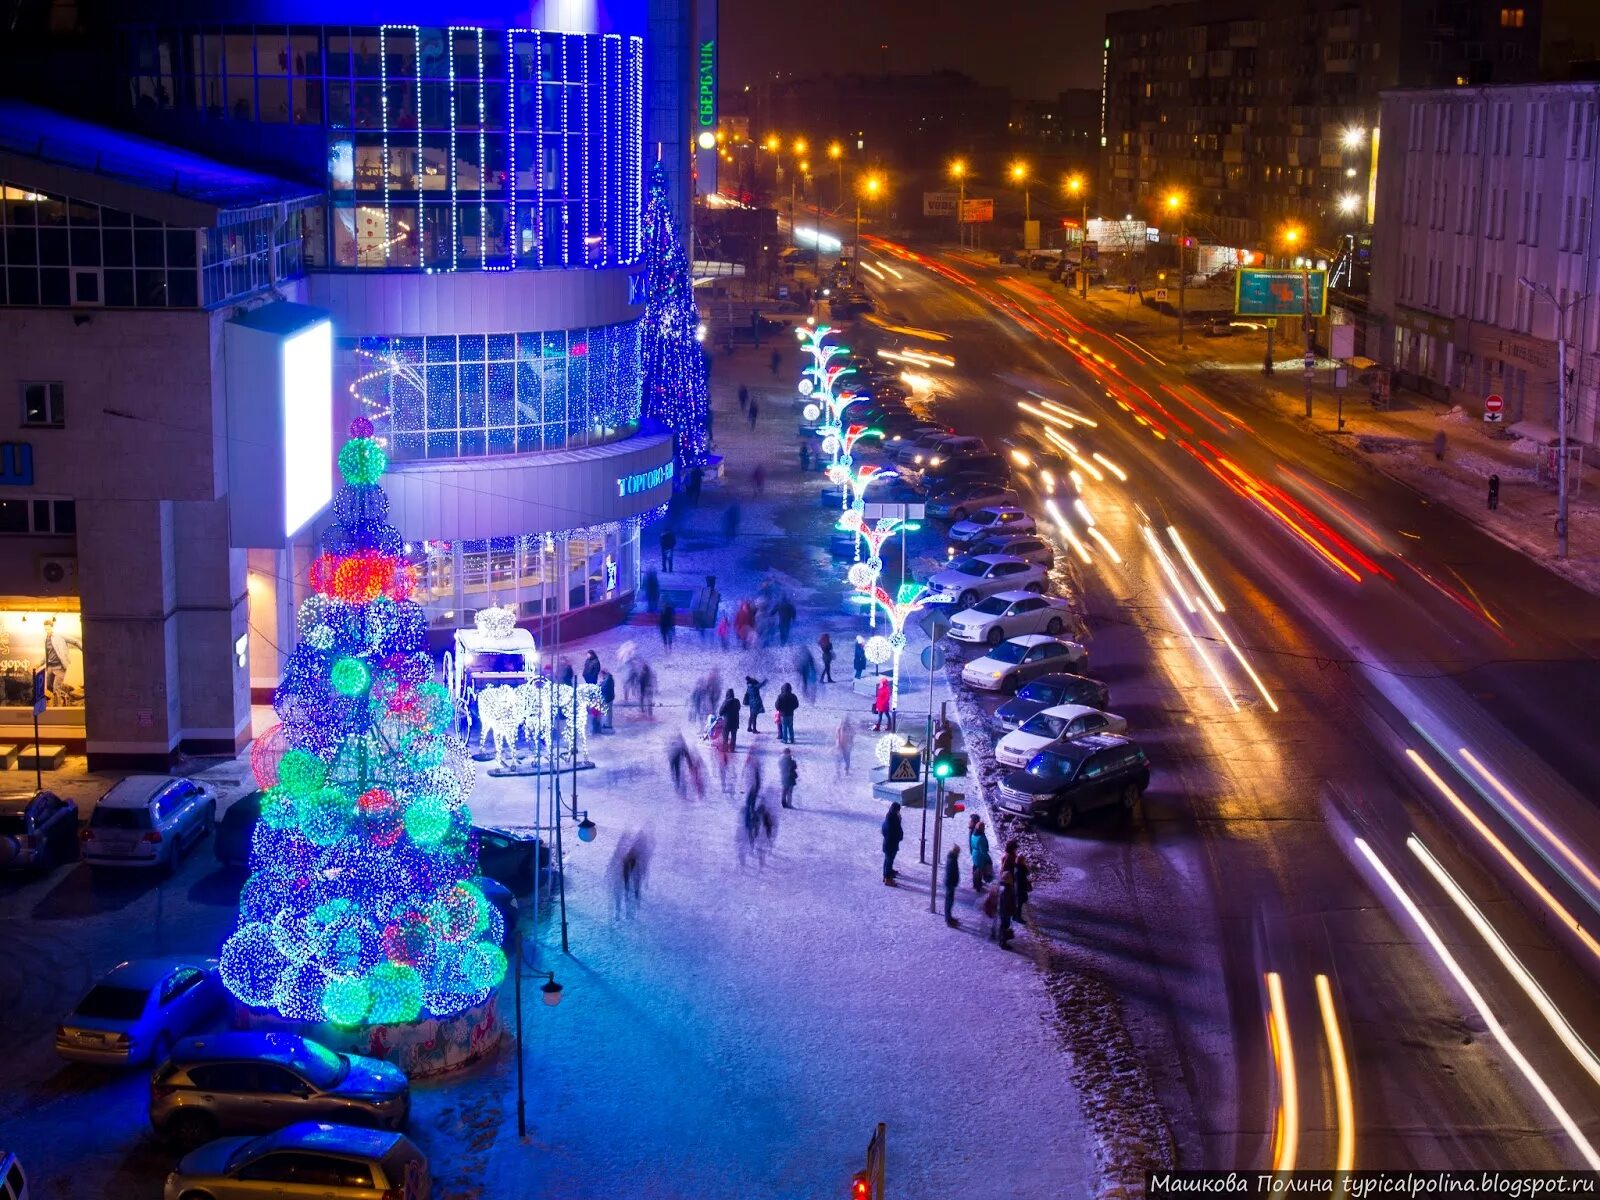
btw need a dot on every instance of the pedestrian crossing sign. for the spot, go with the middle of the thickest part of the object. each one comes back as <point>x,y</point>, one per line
<point>906,769</point>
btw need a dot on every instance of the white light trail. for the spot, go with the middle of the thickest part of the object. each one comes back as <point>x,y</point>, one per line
<point>1194,569</point>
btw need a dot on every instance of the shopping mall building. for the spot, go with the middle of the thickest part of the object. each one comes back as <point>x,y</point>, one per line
<point>271,216</point>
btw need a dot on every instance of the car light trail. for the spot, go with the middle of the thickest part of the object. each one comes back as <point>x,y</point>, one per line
<point>1475,998</point>
<point>1530,986</point>
<point>1068,449</point>
<point>1343,1096</point>
<point>1504,851</point>
<point>866,266</point>
<point>1109,548</point>
<point>1194,569</point>
<point>1201,651</point>
<point>1083,511</point>
<point>1110,466</point>
<point>1066,530</point>
<point>1035,411</point>
<point>1238,657</point>
<point>1062,410</point>
<point>1049,479</point>
<point>1545,831</point>
<point>1166,567</point>
<point>1020,457</point>
<point>1286,1131</point>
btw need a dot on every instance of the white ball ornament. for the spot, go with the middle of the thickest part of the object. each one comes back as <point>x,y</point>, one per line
<point>879,649</point>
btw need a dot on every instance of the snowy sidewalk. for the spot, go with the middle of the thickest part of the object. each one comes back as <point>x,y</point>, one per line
<point>743,1030</point>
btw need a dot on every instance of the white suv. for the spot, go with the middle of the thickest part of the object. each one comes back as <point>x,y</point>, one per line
<point>986,522</point>
<point>1007,614</point>
<point>968,580</point>
<point>148,821</point>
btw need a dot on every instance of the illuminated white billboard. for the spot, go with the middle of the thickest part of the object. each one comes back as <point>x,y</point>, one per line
<point>307,400</point>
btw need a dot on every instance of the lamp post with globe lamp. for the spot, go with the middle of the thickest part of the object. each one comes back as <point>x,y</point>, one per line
<point>911,598</point>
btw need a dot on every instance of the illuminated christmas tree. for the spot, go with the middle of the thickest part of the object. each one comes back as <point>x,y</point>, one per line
<point>360,907</point>
<point>675,391</point>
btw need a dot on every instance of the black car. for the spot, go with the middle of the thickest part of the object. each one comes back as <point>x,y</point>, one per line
<point>1047,691</point>
<point>37,830</point>
<point>1070,777</point>
<point>973,468</point>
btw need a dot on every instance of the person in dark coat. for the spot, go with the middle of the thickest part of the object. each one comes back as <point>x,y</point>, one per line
<point>652,590</point>
<point>785,706</point>
<point>591,667</point>
<point>1007,910</point>
<point>729,713</point>
<point>668,624</point>
<point>755,411</point>
<point>752,699</point>
<point>825,645</point>
<point>952,877</point>
<point>893,835</point>
<point>744,397</point>
<point>861,655</point>
<point>669,543</point>
<point>774,362</point>
<point>608,695</point>
<point>805,456</point>
<point>566,675</point>
<point>788,776</point>
<point>784,611</point>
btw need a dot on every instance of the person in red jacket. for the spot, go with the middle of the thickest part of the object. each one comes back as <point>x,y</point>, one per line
<point>880,706</point>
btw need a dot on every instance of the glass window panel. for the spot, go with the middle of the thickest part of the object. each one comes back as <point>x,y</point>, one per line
<point>53,247</point>
<point>339,105</point>
<point>275,101</point>
<point>549,56</point>
<point>530,438</point>
<point>468,96</point>
<point>404,239</point>
<point>403,174</point>
<point>180,248</point>
<point>402,95</point>
<point>435,106</point>
<point>470,347</point>
<point>183,289</point>
<point>436,235</point>
<point>55,287</point>
<point>52,211</point>
<point>469,396</point>
<point>500,394</point>
<point>550,164</point>
<point>305,46</point>
<point>79,213</point>
<point>118,288</point>
<point>494,55</point>
<point>18,210</point>
<point>496,162</point>
<point>22,247</point>
<point>497,243</point>
<point>441,445</point>
<point>400,50</point>
<point>117,245</point>
<point>408,445</point>
<point>440,406</point>
<point>308,102</point>
<point>524,57</point>
<point>338,52</point>
<point>149,248</point>
<point>501,346</point>
<point>272,50</point>
<point>371,236</point>
<point>435,175</point>
<point>495,100</point>
<point>365,61</point>
<point>465,55</point>
<point>85,247</point>
<point>550,105</point>
<point>206,50</point>
<point>368,106</point>
<point>527,108</point>
<point>473,443</point>
<point>502,441</point>
<point>239,56</point>
<point>150,289</point>
<point>433,60</point>
<point>242,97</point>
<point>344,235</point>
<point>441,349</point>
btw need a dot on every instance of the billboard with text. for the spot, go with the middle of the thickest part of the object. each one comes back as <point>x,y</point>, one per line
<point>1262,293</point>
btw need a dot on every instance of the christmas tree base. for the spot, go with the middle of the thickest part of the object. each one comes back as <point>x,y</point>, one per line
<point>422,1049</point>
<point>531,767</point>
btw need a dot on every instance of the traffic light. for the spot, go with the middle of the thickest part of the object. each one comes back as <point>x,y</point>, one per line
<point>948,764</point>
<point>860,1187</point>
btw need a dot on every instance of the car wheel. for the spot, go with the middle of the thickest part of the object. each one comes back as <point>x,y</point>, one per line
<point>1065,815</point>
<point>1009,685</point>
<point>995,636</point>
<point>1130,797</point>
<point>1053,627</point>
<point>1036,588</point>
<point>968,598</point>
<point>189,1129</point>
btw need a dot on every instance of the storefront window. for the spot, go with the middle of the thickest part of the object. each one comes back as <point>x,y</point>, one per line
<point>52,642</point>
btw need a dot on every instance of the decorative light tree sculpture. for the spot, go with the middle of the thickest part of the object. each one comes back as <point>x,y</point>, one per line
<point>360,907</point>
<point>675,391</point>
<point>911,598</point>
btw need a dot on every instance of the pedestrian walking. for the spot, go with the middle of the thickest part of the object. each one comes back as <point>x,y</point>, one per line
<point>1005,910</point>
<point>647,688</point>
<point>752,700</point>
<point>669,543</point>
<point>805,456</point>
<point>729,712</point>
<point>860,655</point>
<point>608,698</point>
<point>668,624</point>
<point>788,776</point>
<point>844,741</point>
<point>978,848</point>
<point>755,326</point>
<point>758,479</point>
<point>1024,879</point>
<point>730,521</point>
<point>753,768</point>
<point>706,602</point>
<point>893,835</point>
<point>565,675</point>
<point>1494,492</point>
<point>952,877</point>
<point>880,705</point>
<point>1438,445</point>
<point>784,611</point>
<point>744,397</point>
<point>755,411</point>
<point>785,705</point>
<point>825,646</point>
<point>591,667</point>
<point>677,758</point>
<point>652,590</point>
<point>697,475</point>
<point>775,361</point>
<point>806,665</point>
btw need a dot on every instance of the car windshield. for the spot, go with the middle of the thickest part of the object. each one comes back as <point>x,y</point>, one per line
<point>120,818</point>
<point>1045,765</point>
<point>1044,726</point>
<point>1041,692</point>
<point>968,566</point>
<point>13,823</point>
<point>1008,652</point>
<point>320,1065</point>
<point>246,1152</point>
<point>986,517</point>
<point>113,1003</point>
<point>992,607</point>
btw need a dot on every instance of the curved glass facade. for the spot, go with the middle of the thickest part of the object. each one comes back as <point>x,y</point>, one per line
<point>471,395</point>
<point>444,149</point>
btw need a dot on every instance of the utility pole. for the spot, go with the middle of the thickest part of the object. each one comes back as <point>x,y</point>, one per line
<point>1311,354</point>
<point>1182,274</point>
<point>1543,289</point>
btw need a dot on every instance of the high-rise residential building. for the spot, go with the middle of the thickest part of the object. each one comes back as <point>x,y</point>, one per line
<point>1479,190</point>
<point>1262,113</point>
<point>261,221</point>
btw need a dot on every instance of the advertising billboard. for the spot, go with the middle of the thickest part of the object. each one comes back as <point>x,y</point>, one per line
<point>940,204</point>
<point>978,210</point>
<point>1262,293</point>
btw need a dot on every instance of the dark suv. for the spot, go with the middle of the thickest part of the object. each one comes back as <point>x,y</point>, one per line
<point>1070,777</point>
<point>1047,691</point>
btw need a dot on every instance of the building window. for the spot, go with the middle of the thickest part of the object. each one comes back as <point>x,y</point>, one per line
<point>44,405</point>
<point>58,517</point>
<point>1512,18</point>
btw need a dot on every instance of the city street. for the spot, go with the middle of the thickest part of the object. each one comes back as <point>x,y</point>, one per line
<point>1358,625</point>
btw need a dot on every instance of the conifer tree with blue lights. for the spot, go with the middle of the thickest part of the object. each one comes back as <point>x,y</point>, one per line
<point>675,390</point>
<point>360,907</point>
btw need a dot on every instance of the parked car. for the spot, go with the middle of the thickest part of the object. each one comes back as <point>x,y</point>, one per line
<point>954,447</point>
<point>977,468</point>
<point>305,1160</point>
<point>956,500</point>
<point>235,1082</point>
<point>995,518</point>
<point>13,1183</point>
<point>139,1009</point>
<point>1047,691</point>
<point>1008,614</point>
<point>968,580</point>
<point>37,829</point>
<point>1068,778</point>
<point>148,821</point>
<point>1060,723</point>
<point>1219,327</point>
<point>907,450</point>
<point>1006,667</point>
<point>1029,546</point>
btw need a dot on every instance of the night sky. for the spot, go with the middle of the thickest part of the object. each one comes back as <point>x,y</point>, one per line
<point>1036,47</point>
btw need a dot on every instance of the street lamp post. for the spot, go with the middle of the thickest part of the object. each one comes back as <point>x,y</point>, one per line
<point>551,991</point>
<point>836,152</point>
<point>1292,237</point>
<point>1078,189</point>
<point>1175,205</point>
<point>959,170</point>
<point>871,185</point>
<point>1543,289</point>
